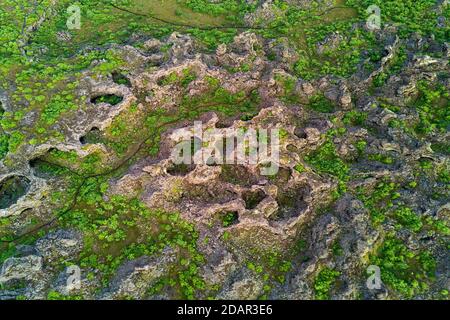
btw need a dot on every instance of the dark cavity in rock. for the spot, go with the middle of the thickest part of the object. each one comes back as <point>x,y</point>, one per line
<point>209,194</point>
<point>291,202</point>
<point>282,177</point>
<point>238,175</point>
<point>92,137</point>
<point>229,218</point>
<point>12,189</point>
<point>301,133</point>
<point>253,198</point>
<point>111,99</point>
<point>180,169</point>
<point>224,123</point>
<point>121,79</point>
<point>43,169</point>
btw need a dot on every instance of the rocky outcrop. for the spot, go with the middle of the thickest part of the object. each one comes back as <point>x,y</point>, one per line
<point>135,277</point>
<point>241,213</point>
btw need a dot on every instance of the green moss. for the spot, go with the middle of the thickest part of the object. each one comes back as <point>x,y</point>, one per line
<point>393,67</point>
<point>299,168</point>
<point>379,200</point>
<point>4,138</point>
<point>381,158</point>
<point>7,251</point>
<point>441,147</point>
<point>433,108</point>
<point>232,9</point>
<point>326,160</point>
<point>9,248</point>
<point>229,218</point>
<point>337,249</point>
<point>426,164</point>
<point>112,228</point>
<point>444,175</point>
<point>324,282</point>
<point>320,103</point>
<point>4,145</point>
<point>437,225</point>
<point>444,293</point>
<point>341,59</point>
<point>287,85</point>
<point>55,295</point>
<point>360,146</point>
<point>226,236</point>
<point>212,38</point>
<point>186,77</point>
<point>355,118</point>
<point>270,266</point>
<point>380,79</point>
<point>69,156</point>
<point>218,99</point>
<point>408,218</point>
<point>108,98</point>
<point>58,105</point>
<point>412,184</point>
<point>406,272</point>
<point>15,139</point>
<point>409,15</point>
<point>300,246</point>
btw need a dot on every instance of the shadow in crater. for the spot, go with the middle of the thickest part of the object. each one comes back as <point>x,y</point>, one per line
<point>92,137</point>
<point>253,198</point>
<point>120,79</point>
<point>111,99</point>
<point>292,202</point>
<point>12,189</point>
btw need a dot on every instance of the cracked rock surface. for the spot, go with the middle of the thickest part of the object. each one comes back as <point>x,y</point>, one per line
<point>95,197</point>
